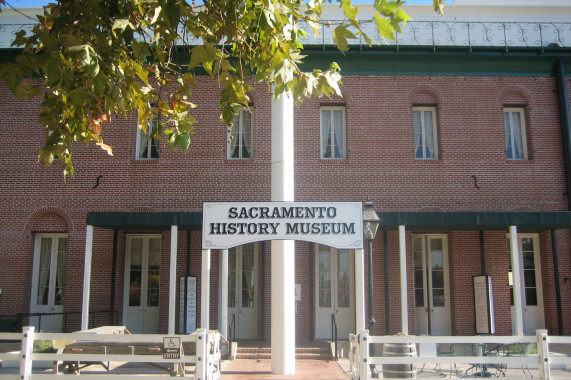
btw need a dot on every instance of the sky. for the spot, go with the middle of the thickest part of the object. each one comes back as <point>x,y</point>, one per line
<point>38,3</point>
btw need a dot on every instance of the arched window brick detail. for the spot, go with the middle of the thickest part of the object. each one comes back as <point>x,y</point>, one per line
<point>49,219</point>
<point>514,95</point>
<point>424,94</point>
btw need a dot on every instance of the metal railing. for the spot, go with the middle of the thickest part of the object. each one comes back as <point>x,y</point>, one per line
<point>334,333</point>
<point>69,323</point>
<point>435,34</point>
<point>232,329</point>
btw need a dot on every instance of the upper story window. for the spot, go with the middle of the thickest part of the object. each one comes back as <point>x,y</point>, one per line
<point>147,146</point>
<point>516,137</point>
<point>425,136</point>
<point>240,142</point>
<point>333,132</point>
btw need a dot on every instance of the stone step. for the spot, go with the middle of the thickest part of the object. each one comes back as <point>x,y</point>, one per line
<point>316,353</point>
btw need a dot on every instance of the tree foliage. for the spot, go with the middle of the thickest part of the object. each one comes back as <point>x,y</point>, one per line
<point>103,58</point>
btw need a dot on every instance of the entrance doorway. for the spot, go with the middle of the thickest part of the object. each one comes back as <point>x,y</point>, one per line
<point>431,285</point>
<point>530,283</point>
<point>242,291</point>
<point>142,280</point>
<point>48,282</point>
<point>334,281</point>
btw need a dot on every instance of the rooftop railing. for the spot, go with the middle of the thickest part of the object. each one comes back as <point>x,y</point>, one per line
<point>435,34</point>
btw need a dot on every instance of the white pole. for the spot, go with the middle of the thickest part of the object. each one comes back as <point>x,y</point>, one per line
<point>359,291</point>
<point>403,281</point>
<point>172,279</point>
<point>224,293</point>
<point>283,251</point>
<point>516,279</point>
<point>87,277</point>
<point>205,291</point>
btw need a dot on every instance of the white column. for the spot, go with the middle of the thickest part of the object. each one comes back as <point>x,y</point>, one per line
<point>87,277</point>
<point>516,278</point>
<point>283,251</point>
<point>403,280</point>
<point>205,290</point>
<point>172,279</point>
<point>359,290</point>
<point>224,293</point>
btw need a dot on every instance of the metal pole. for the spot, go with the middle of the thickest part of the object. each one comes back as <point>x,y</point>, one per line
<point>371,321</point>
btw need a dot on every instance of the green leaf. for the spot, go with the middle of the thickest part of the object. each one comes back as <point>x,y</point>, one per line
<point>384,26</point>
<point>340,35</point>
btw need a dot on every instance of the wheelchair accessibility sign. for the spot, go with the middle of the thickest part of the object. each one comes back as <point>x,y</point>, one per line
<point>171,348</point>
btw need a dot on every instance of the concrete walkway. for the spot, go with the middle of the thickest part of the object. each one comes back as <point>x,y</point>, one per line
<point>262,369</point>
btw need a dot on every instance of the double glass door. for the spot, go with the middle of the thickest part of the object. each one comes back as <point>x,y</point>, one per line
<point>530,285</point>
<point>334,279</point>
<point>242,291</point>
<point>431,287</point>
<point>48,282</point>
<point>142,280</point>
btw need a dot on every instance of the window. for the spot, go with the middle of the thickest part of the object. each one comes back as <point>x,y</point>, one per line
<point>425,140</point>
<point>516,139</point>
<point>333,132</point>
<point>147,146</point>
<point>240,145</point>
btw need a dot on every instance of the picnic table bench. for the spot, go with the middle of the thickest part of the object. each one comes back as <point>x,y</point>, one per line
<point>87,347</point>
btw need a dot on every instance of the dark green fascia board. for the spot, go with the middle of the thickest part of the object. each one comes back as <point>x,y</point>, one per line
<point>126,221</point>
<point>414,221</point>
<point>442,61</point>
<point>416,60</point>
<point>475,221</point>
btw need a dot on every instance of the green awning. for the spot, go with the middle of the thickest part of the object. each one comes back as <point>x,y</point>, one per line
<point>415,221</point>
<point>540,220</point>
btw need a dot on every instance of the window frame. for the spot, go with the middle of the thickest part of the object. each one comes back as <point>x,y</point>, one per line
<point>322,147</point>
<point>151,124</point>
<point>436,145</point>
<point>237,130</point>
<point>510,110</point>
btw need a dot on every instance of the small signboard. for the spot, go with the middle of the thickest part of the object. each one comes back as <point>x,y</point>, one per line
<point>171,347</point>
<point>484,305</point>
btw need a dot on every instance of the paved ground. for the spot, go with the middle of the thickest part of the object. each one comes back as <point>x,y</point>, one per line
<point>261,369</point>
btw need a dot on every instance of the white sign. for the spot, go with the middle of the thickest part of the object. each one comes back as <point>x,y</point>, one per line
<point>171,348</point>
<point>190,306</point>
<point>484,305</point>
<point>336,224</point>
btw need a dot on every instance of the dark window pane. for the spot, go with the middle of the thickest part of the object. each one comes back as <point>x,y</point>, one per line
<point>438,298</point>
<point>531,297</point>
<point>418,298</point>
<point>438,279</point>
<point>418,278</point>
<point>529,276</point>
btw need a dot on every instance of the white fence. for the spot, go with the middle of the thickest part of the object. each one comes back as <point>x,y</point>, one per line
<point>84,349</point>
<point>494,352</point>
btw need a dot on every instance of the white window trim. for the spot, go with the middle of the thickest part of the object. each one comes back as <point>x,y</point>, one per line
<point>151,124</point>
<point>434,133</point>
<point>522,131</point>
<point>344,146</point>
<point>240,136</point>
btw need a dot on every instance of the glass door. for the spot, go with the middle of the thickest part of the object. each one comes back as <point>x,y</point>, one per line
<point>335,292</point>
<point>431,287</point>
<point>48,282</point>
<point>142,284</point>
<point>242,291</point>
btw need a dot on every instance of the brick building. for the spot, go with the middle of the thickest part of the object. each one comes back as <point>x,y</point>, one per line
<point>458,133</point>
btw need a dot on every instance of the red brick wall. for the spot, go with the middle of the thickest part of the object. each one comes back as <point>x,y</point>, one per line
<point>380,164</point>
